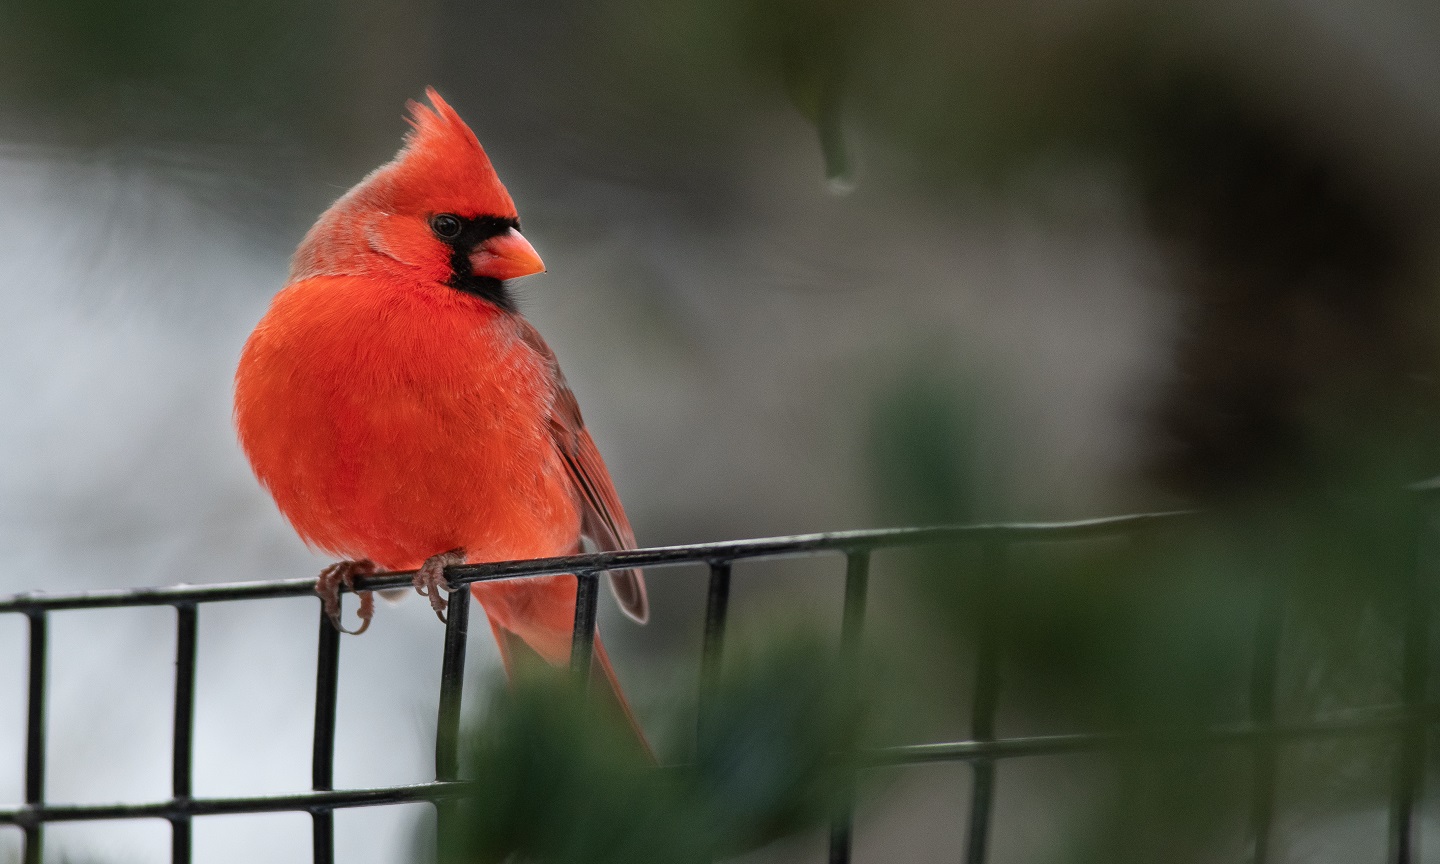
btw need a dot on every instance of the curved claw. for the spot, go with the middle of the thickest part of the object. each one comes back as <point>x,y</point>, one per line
<point>430,579</point>
<point>365,612</point>
<point>327,586</point>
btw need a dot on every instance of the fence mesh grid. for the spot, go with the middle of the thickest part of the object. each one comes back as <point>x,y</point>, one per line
<point>983,750</point>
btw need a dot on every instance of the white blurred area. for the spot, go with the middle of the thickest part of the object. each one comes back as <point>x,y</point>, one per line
<point>127,303</point>
<point>728,370</point>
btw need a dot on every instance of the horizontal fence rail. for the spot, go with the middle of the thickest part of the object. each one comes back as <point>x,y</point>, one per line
<point>1408,721</point>
<point>727,550</point>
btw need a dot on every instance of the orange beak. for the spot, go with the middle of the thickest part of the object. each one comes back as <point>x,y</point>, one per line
<point>506,256</point>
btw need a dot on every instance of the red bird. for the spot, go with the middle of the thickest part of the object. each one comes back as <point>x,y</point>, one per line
<point>403,414</point>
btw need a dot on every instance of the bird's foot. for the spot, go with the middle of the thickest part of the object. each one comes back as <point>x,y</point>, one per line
<point>430,579</point>
<point>328,587</point>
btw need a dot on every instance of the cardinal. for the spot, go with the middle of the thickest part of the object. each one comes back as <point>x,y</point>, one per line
<point>404,416</point>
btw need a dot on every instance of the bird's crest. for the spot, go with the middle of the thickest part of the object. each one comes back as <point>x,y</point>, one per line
<point>443,168</point>
<point>438,128</point>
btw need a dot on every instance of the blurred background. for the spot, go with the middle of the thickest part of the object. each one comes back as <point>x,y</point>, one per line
<point>814,265</point>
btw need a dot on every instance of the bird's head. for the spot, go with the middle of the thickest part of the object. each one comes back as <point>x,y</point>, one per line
<point>437,213</point>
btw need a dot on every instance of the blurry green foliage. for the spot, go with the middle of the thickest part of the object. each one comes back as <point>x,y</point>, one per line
<point>806,45</point>
<point>1164,633</point>
<point>980,90</point>
<point>561,780</point>
<point>1306,351</point>
<point>141,72</point>
<point>563,783</point>
<point>778,741</point>
<point>193,47</point>
<point>924,451</point>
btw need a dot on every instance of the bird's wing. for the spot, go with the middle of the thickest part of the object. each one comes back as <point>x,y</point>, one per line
<point>602,517</point>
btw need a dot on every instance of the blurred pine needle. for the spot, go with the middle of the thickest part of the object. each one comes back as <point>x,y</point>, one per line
<point>560,779</point>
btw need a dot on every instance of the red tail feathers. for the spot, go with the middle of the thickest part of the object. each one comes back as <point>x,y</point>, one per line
<point>552,645</point>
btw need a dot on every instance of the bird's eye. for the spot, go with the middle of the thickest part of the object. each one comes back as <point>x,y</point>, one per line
<point>446,226</point>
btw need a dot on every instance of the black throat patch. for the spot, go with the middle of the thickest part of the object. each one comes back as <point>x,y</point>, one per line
<point>475,232</point>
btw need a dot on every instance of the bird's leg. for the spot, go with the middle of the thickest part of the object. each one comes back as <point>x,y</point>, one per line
<point>328,587</point>
<point>430,579</point>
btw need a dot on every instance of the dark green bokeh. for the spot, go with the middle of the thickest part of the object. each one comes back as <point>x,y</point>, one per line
<point>1167,633</point>
<point>562,780</point>
<point>129,66</point>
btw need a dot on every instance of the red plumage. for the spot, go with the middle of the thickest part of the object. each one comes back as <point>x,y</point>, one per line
<point>396,407</point>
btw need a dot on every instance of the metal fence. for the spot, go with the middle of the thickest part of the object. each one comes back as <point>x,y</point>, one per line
<point>1408,721</point>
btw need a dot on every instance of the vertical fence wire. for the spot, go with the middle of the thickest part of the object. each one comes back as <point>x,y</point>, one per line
<point>857,579</point>
<point>447,724</point>
<point>34,833</point>
<point>327,681</point>
<point>1414,674</point>
<point>582,640</point>
<point>452,679</point>
<point>717,612</point>
<point>182,749</point>
<point>1265,754</point>
<point>987,697</point>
